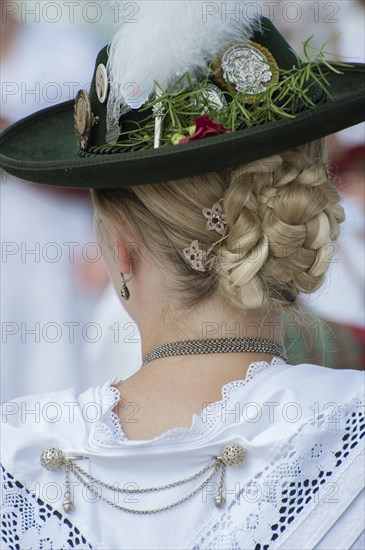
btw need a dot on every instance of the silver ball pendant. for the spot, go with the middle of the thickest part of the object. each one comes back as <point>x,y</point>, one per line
<point>52,459</point>
<point>67,505</point>
<point>219,499</point>
<point>233,454</point>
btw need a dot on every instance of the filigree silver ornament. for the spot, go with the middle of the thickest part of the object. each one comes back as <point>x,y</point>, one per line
<point>52,459</point>
<point>211,99</point>
<point>248,67</point>
<point>233,454</point>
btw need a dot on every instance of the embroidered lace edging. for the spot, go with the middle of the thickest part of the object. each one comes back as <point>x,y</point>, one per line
<point>108,429</point>
<point>29,523</point>
<point>305,470</point>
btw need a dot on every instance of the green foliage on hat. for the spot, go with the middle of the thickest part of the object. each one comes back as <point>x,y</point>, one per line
<point>298,89</point>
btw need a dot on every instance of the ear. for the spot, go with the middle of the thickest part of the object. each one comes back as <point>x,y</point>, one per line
<point>126,253</point>
<point>122,253</point>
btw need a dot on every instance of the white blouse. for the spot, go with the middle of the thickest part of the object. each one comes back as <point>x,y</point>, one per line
<point>301,485</point>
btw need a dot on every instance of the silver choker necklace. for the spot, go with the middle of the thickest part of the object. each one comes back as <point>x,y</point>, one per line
<point>217,345</point>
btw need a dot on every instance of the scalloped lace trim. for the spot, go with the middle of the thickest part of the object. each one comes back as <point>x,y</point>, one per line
<point>109,430</point>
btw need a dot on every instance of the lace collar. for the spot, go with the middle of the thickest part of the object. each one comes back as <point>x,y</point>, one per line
<point>108,429</point>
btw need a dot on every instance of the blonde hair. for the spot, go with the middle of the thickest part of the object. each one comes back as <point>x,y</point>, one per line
<point>283,213</point>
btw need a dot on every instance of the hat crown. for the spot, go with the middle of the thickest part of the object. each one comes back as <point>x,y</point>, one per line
<point>43,147</point>
<point>265,34</point>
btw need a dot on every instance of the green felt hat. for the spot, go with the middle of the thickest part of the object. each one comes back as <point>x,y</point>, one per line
<point>45,148</point>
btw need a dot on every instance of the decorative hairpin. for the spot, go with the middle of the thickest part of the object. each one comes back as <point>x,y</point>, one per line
<point>217,221</point>
<point>195,256</point>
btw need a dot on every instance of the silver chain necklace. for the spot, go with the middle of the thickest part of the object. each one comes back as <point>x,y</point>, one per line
<point>232,454</point>
<point>53,459</point>
<point>217,345</point>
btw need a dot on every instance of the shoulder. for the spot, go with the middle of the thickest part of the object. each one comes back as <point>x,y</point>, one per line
<point>32,423</point>
<point>307,383</point>
<point>303,426</point>
<point>320,374</point>
<point>317,400</point>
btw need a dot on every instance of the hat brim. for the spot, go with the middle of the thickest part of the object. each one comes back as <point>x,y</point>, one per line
<point>42,148</point>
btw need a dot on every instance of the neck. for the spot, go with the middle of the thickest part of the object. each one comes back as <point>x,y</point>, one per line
<point>213,320</point>
<point>188,382</point>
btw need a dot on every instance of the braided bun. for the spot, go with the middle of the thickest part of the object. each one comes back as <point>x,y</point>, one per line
<point>283,213</point>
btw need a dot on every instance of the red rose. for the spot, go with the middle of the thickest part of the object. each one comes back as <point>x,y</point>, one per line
<point>205,127</point>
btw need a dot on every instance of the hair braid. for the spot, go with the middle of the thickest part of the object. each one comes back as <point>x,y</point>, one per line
<point>283,212</point>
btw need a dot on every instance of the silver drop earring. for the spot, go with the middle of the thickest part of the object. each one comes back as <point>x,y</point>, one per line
<point>125,294</point>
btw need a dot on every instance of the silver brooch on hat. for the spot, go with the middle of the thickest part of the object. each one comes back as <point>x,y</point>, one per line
<point>122,100</point>
<point>84,119</point>
<point>101,83</point>
<point>113,114</point>
<point>247,66</point>
<point>211,98</point>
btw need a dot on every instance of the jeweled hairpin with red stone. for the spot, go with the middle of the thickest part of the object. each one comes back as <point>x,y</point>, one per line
<point>217,221</point>
<point>195,256</point>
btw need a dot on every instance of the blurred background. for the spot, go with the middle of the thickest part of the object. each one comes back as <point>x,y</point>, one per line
<point>62,324</point>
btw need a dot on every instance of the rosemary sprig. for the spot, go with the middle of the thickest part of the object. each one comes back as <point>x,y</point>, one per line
<point>279,100</point>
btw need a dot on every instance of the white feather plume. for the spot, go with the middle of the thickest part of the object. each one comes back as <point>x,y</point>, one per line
<point>164,39</point>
